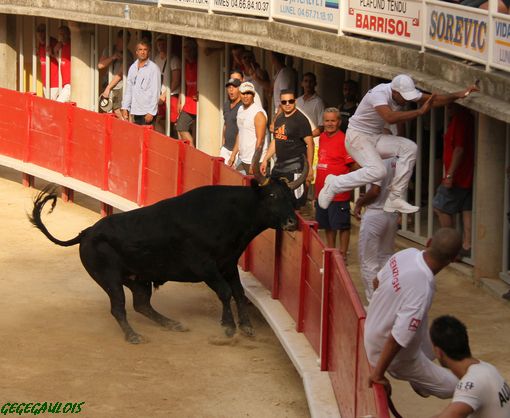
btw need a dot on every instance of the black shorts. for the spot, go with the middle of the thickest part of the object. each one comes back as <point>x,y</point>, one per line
<point>336,217</point>
<point>453,200</point>
<point>184,121</point>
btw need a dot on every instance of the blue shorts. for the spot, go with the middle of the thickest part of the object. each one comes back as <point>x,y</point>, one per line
<point>336,217</point>
<point>453,200</point>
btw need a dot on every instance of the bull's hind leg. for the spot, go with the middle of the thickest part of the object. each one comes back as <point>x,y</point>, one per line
<point>101,262</point>
<point>142,292</point>
<point>232,275</point>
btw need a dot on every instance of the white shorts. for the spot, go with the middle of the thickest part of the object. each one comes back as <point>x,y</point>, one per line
<point>65,94</point>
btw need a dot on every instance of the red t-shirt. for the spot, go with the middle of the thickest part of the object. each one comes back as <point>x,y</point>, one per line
<point>65,64</point>
<point>460,133</point>
<point>53,64</point>
<point>190,76</point>
<point>333,159</point>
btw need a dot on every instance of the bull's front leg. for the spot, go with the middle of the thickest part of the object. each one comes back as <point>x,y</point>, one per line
<point>217,283</point>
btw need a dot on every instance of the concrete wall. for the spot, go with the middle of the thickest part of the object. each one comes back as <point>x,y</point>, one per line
<point>8,54</point>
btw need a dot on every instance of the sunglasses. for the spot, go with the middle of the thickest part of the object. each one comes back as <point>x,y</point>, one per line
<point>291,101</point>
<point>248,92</point>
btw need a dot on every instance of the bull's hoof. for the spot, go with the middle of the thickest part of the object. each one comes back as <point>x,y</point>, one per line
<point>247,330</point>
<point>230,331</point>
<point>177,326</point>
<point>135,339</point>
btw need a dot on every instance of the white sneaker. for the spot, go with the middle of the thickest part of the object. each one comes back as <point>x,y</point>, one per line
<point>399,205</point>
<point>327,194</point>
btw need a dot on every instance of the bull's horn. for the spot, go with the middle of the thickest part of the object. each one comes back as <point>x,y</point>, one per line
<point>255,164</point>
<point>293,185</point>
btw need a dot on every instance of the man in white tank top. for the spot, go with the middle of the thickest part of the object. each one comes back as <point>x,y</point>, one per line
<point>368,145</point>
<point>396,337</point>
<point>251,122</point>
<point>481,392</point>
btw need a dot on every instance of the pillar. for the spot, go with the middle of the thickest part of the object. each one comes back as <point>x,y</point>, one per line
<point>488,206</point>
<point>209,107</point>
<point>8,57</point>
<point>82,81</point>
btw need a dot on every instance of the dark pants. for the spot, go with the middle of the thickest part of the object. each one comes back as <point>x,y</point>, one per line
<point>140,120</point>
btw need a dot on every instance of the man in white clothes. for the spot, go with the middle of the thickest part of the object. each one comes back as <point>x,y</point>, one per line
<point>311,104</point>
<point>251,122</point>
<point>367,143</point>
<point>396,337</point>
<point>376,243</point>
<point>481,392</point>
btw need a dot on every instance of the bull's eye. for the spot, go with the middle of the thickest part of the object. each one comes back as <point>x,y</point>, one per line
<point>273,195</point>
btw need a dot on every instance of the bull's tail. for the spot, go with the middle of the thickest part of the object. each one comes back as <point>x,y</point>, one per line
<point>45,195</point>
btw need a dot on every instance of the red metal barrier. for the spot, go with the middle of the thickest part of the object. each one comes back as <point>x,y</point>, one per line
<point>143,166</point>
<point>87,147</point>
<point>15,109</point>
<point>124,168</point>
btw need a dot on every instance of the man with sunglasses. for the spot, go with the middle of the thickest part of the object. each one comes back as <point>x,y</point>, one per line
<point>292,144</point>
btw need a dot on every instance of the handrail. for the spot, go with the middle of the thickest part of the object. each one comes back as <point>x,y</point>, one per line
<point>75,146</point>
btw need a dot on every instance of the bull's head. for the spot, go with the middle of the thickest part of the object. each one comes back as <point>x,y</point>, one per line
<point>277,195</point>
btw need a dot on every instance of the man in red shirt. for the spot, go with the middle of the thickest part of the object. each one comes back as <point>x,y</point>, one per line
<point>334,159</point>
<point>64,48</point>
<point>188,113</point>
<point>454,195</point>
<point>52,92</point>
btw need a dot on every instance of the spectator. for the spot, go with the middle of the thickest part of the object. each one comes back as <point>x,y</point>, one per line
<point>377,230</point>
<point>63,46</point>
<point>292,144</point>
<point>481,391</point>
<point>186,122</point>
<point>239,75</point>
<point>43,49</point>
<point>310,103</point>
<point>334,159</point>
<point>503,5</point>
<point>114,87</point>
<point>396,338</point>
<point>366,141</point>
<point>251,122</point>
<point>230,109</point>
<point>173,82</point>
<point>350,104</point>
<point>143,87</point>
<point>257,76</point>
<point>283,78</point>
<point>236,62</point>
<point>454,195</point>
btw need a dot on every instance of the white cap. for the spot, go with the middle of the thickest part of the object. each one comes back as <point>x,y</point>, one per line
<point>405,86</point>
<point>247,87</point>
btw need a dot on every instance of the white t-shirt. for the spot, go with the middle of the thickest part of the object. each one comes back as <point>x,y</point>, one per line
<point>484,390</point>
<point>284,79</point>
<point>400,306</point>
<point>175,64</point>
<point>366,119</point>
<point>385,183</point>
<point>313,108</point>
<point>247,133</point>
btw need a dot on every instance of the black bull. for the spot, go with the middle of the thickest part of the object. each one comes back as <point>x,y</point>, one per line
<point>198,236</point>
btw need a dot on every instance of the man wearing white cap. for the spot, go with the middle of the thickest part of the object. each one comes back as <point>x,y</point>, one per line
<point>368,145</point>
<point>251,122</point>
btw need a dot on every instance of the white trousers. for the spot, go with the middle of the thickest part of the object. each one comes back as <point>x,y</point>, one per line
<point>63,96</point>
<point>376,244</point>
<point>425,376</point>
<point>368,151</point>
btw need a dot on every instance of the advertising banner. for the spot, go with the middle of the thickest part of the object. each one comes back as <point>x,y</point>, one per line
<point>398,20</point>
<point>242,7</point>
<point>323,13</point>
<point>195,4</point>
<point>458,30</point>
<point>501,51</point>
